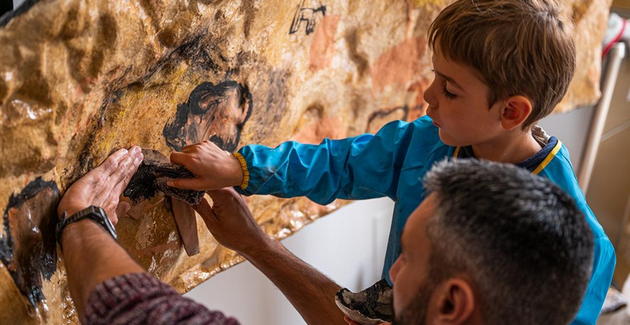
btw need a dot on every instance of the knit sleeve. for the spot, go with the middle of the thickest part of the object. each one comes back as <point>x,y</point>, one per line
<point>139,298</point>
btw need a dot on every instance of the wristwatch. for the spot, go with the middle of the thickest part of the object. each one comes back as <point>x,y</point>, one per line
<point>93,213</point>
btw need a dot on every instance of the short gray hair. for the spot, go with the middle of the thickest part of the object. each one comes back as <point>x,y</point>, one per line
<point>524,242</point>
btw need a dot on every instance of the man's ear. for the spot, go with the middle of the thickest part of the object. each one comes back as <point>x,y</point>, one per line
<point>456,302</point>
<point>515,111</point>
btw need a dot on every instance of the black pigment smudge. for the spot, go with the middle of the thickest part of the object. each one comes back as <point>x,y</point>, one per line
<point>307,17</point>
<point>212,112</point>
<point>152,176</point>
<point>28,246</point>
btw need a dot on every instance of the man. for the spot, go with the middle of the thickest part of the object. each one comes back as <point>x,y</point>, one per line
<point>105,283</point>
<point>491,244</point>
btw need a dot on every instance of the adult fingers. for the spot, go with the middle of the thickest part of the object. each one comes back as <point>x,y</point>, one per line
<point>205,211</point>
<point>111,163</point>
<point>107,182</point>
<point>196,184</point>
<point>127,171</point>
<point>96,180</point>
<point>124,167</point>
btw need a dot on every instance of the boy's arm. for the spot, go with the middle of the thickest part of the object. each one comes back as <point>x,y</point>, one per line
<point>366,166</point>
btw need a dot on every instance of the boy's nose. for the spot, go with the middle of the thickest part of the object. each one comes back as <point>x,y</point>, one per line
<point>429,96</point>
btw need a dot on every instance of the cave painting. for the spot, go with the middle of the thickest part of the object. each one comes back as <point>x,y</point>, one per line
<point>212,112</point>
<point>80,79</point>
<point>28,244</point>
<point>307,17</point>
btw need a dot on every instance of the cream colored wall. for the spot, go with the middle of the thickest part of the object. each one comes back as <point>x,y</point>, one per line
<point>609,191</point>
<point>347,245</point>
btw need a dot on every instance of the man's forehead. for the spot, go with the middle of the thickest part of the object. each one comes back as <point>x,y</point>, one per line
<point>416,224</point>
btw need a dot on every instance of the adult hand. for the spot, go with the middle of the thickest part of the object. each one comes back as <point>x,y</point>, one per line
<point>231,222</point>
<point>213,167</point>
<point>103,185</point>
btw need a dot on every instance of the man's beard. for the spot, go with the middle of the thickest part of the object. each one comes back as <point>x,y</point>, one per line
<point>415,313</point>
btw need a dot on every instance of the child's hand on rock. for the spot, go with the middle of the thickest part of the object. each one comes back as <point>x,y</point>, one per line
<point>213,167</point>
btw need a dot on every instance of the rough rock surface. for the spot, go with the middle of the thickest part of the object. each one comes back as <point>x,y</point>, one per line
<point>81,78</point>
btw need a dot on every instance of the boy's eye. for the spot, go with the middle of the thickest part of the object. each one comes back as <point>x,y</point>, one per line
<point>446,93</point>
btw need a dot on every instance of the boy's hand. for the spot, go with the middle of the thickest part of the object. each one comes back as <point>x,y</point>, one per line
<point>231,222</point>
<point>213,167</point>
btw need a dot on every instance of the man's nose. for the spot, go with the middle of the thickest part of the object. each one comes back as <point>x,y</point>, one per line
<point>393,271</point>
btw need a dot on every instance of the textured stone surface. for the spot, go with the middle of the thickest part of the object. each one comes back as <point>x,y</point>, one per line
<point>81,78</point>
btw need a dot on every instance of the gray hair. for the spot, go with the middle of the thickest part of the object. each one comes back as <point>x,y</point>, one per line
<point>525,244</point>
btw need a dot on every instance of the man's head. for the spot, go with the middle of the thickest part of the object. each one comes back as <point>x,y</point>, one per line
<point>492,244</point>
<point>517,57</point>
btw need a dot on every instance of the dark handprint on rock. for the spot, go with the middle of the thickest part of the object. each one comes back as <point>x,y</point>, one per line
<point>28,246</point>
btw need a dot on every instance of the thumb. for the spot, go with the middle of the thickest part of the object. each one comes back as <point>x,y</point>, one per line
<point>122,208</point>
<point>187,184</point>
<point>207,214</point>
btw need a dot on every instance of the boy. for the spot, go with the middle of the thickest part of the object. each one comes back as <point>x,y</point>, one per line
<point>500,66</point>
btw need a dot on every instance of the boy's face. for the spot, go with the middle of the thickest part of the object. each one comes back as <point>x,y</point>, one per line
<point>458,104</point>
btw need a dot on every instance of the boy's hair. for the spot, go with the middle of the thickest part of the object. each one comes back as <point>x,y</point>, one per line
<point>517,47</point>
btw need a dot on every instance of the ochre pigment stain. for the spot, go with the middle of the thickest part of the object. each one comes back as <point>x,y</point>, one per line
<point>28,246</point>
<point>212,112</point>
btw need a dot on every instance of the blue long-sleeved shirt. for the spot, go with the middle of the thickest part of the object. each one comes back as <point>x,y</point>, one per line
<point>393,163</point>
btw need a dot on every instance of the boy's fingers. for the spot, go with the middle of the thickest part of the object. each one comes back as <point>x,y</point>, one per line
<point>179,158</point>
<point>187,184</point>
<point>188,147</point>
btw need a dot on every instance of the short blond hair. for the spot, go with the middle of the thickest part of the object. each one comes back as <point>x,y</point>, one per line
<point>517,47</point>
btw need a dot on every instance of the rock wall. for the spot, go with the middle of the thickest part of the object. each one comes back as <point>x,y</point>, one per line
<point>81,78</point>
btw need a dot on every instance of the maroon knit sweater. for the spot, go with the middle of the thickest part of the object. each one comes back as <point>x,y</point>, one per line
<point>139,298</point>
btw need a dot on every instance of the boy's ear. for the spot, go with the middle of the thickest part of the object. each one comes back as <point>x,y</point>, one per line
<point>515,112</point>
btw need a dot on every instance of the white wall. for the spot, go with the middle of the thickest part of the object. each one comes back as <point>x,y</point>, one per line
<point>17,3</point>
<point>347,245</point>
<point>572,129</point>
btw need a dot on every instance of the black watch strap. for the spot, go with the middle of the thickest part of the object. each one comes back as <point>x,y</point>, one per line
<point>93,213</point>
